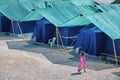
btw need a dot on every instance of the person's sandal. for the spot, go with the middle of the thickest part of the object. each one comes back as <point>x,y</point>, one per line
<point>79,70</point>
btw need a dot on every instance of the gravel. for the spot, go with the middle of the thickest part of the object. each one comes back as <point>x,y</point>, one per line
<point>24,65</point>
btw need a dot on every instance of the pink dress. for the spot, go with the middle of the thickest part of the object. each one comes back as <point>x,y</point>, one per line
<point>82,62</point>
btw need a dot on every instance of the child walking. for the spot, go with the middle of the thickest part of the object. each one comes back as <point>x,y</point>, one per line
<point>82,64</point>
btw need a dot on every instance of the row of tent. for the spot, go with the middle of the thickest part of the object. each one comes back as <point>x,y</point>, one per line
<point>66,14</point>
<point>89,37</point>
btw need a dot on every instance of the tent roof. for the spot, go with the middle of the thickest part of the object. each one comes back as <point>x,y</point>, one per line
<point>25,10</point>
<point>59,16</point>
<point>79,20</point>
<point>32,16</point>
<point>19,10</point>
<point>108,22</point>
<point>68,15</point>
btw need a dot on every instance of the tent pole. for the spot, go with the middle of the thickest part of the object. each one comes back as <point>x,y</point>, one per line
<point>57,36</point>
<point>60,38</point>
<point>115,52</point>
<point>20,29</point>
<point>13,28</point>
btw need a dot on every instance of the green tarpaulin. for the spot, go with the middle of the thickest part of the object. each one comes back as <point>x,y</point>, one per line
<point>20,11</point>
<point>25,10</point>
<point>72,15</point>
<point>59,16</point>
<point>108,22</point>
<point>79,20</point>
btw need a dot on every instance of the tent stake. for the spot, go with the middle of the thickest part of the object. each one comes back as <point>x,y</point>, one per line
<point>115,52</point>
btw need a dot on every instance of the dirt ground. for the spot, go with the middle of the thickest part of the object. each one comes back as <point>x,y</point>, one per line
<point>21,65</point>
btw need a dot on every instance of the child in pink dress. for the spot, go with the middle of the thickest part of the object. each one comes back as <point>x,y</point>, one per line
<point>82,64</point>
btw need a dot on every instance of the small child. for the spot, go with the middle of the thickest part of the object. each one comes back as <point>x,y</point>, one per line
<point>82,64</point>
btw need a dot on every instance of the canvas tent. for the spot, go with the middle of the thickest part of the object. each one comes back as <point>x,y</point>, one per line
<point>70,34</point>
<point>94,42</point>
<point>20,10</point>
<point>23,10</point>
<point>44,30</point>
<point>91,41</point>
<point>72,19</point>
<point>76,14</point>
<point>108,22</point>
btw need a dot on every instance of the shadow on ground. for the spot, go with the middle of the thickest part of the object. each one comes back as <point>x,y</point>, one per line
<point>60,56</point>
